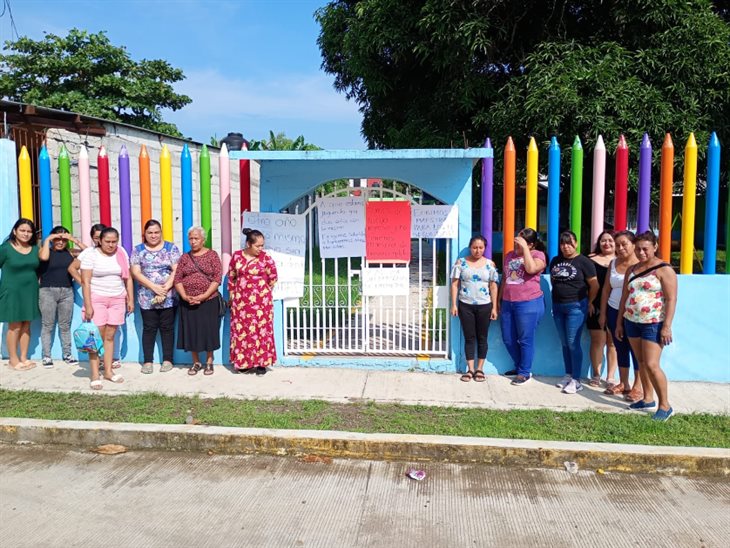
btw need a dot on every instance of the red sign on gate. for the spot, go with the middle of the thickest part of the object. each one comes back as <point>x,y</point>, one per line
<point>388,232</point>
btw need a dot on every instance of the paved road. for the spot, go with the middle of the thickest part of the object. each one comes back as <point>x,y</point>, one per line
<point>57,497</point>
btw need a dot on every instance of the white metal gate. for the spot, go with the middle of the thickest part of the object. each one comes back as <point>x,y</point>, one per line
<point>334,318</point>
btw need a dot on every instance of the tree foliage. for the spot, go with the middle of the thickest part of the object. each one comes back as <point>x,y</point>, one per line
<point>279,141</point>
<point>440,73</point>
<point>87,74</point>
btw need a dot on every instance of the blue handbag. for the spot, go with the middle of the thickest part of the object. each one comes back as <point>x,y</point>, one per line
<point>87,338</point>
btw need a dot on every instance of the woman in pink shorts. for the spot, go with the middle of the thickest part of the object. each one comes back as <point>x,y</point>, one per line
<point>108,297</point>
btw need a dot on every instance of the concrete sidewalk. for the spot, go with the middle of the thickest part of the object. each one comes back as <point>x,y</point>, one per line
<point>345,385</point>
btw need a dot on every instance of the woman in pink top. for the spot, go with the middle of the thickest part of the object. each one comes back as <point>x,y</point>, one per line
<point>108,297</point>
<point>523,305</point>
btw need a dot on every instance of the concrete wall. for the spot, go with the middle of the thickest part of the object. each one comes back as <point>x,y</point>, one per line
<point>133,139</point>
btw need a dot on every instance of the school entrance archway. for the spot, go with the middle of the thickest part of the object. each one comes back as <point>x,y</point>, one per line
<point>340,319</point>
<point>341,313</point>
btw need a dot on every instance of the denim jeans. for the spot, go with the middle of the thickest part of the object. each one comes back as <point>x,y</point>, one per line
<point>623,348</point>
<point>519,325</point>
<point>569,320</point>
<point>56,301</point>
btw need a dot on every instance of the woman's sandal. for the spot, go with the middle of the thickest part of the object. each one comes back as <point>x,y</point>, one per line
<point>479,376</point>
<point>634,395</point>
<point>166,366</point>
<point>96,385</point>
<point>197,366</point>
<point>117,379</point>
<point>466,377</point>
<point>208,369</point>
<point>23,366</point>
<point>595,381</point>
<point>147,368</point>
<point>614,390</point>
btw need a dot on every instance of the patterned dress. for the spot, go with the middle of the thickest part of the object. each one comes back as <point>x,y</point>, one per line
<point>252,310</point>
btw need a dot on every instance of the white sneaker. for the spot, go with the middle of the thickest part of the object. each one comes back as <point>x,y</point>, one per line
<point>572,387</point>
<point>564,381</point>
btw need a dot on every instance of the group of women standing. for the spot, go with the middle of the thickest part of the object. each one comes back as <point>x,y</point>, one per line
<point>621,291</point>
<point>39,282</point>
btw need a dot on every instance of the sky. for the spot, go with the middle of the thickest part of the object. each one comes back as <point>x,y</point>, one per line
<point>251,65</point>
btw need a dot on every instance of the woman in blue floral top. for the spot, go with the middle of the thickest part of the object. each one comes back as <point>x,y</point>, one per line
<point>153,266</point>
<point>474,300</point>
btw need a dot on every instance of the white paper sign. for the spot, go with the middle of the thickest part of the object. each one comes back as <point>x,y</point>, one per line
<point>434,221</point>
<point>384,281</point>
<point>341,224</point>
<point>286,238</point>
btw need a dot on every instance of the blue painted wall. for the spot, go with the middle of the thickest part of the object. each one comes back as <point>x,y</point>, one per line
<point>701,351</point>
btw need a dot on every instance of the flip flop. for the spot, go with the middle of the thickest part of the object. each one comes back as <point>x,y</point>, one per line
<point>115,379</point>
<point>466,377</point>
<point>23,366</point>
<point>96,385</point>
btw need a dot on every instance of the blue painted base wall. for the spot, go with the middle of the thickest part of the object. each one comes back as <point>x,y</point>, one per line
<point>701,351</point>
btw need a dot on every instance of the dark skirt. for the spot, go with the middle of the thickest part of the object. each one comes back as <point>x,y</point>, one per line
<point>198,328</point>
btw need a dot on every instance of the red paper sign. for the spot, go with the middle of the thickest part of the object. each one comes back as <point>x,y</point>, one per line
<point>388,232</point>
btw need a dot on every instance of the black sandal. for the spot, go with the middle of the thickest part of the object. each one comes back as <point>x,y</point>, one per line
<point>261,371</point>
<point>479,376</point>
<point>208,369</point>
<point>197,366</point>
<point>466,377</point>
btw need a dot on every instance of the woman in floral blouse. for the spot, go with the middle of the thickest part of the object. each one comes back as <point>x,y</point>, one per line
<point>251,279</point>
<point>474,300</point>
<point>647,309</point>
<point>153,266</point>
<point>197,278</point>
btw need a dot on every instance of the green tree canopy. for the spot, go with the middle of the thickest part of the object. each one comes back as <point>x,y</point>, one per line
<point>435,73</point>
<point>85,73</point>
<point>279,141</point>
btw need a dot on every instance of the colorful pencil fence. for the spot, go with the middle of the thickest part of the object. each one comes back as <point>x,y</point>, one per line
<point>575,221</point>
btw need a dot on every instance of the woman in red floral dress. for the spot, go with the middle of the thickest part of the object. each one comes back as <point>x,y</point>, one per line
<point>251,278</point>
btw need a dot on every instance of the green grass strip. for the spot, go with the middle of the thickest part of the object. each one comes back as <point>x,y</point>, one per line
<point>699,430</point>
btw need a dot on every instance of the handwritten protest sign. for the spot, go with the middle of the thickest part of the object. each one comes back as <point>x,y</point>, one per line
<point>385,281</point>
<point>341,225</point>
<point>388,232</point>
<point>434,221</point>
<point>286,239</point>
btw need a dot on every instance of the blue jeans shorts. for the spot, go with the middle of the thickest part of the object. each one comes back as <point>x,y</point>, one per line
<point>647,331</point>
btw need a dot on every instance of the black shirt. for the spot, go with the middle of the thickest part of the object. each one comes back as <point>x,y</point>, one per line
<point>569,278</point>
<point>54,271</point>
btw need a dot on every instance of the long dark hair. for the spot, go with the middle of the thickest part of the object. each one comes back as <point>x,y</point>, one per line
<point>477,238</point>
<point>252,235</point>
<point>647,236</point>
<point>59,229</point>
<point>630,236</point>
<point>151,222</point>
<point>108,230</point>
<point>597,245</point>
<point>532,238</point>
<point>20,222</point>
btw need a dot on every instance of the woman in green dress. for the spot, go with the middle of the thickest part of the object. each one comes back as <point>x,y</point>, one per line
<point>19,290</point>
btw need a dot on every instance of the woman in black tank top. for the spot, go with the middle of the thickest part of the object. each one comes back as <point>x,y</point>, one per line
<point>56,295</point>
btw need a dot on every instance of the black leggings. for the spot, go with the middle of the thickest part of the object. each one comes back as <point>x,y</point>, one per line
<point>475,319</point>
<point>164,320</point>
